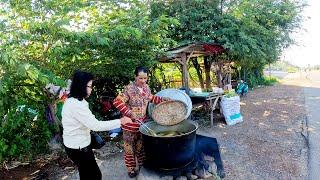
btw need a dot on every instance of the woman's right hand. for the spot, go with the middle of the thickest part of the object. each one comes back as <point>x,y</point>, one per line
<point>125,120</point>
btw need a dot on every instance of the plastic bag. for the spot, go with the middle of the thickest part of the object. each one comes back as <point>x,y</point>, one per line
<point>96,141</point>
<point>231,109</point>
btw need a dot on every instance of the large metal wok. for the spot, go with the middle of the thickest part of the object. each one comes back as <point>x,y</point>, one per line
<point>169,152</point>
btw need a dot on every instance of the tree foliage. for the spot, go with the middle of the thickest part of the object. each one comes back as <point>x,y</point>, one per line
<point>45,41</point>
<point>254,31</point>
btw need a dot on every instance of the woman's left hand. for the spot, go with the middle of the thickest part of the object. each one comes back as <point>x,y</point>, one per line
<point>166,99</point>
<point>150,97</point>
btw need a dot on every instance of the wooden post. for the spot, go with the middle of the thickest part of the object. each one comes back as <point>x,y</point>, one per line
<point>211,112</point>
<point>213,101</point>
<point>207,70</point>
<point>185,74</point>
<point>199,72</point>
<point>219,79</point>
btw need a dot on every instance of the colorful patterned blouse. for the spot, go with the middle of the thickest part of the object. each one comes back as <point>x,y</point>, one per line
<point>133,103</point>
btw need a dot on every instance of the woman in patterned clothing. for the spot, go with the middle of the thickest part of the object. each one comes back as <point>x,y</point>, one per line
<point>133,103</point>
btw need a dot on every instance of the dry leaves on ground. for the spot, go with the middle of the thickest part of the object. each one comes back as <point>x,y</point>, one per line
<point>270,143</point>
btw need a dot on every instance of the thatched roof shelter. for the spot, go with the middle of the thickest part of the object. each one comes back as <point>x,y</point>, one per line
<point>183,53</point>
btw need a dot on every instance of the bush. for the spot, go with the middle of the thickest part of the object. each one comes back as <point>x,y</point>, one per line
<point>254,80</point>
<point>254,77</point>
<point>24,130</point>
<point>292,69</point>
<point>268,81</point>
<point>23,134</point>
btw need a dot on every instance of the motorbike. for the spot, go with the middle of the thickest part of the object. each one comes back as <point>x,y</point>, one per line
<point>242,88</point>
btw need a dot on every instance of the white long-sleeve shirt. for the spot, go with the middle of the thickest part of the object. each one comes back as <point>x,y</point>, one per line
<point>78,120</point>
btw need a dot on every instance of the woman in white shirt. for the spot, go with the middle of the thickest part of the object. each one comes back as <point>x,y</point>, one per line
<point>77,121</point>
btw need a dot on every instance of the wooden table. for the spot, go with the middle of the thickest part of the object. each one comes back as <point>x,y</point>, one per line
<point>211,98</point>
<point>213,101</point>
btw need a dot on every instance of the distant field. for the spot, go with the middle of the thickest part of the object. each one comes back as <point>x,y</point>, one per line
<point>278,74</point>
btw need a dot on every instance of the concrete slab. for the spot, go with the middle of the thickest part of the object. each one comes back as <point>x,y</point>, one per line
<point>112,168</point>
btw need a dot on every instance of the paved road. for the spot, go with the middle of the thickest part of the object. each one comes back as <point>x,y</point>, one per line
<point>312,103</point>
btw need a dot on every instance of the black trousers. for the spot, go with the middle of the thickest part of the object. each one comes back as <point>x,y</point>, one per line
<point>86,163</point>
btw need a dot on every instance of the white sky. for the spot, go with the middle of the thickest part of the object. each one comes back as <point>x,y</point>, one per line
<point>307,52</point>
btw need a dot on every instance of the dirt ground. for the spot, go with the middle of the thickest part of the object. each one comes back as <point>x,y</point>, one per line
<point>269,144</point>
<point>57,165</point>
<point>271,141</point>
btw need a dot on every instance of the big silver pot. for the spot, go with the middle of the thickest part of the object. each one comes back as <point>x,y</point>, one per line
<point>167,153</point>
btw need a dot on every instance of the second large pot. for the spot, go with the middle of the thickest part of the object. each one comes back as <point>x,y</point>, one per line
<point>170,152</point>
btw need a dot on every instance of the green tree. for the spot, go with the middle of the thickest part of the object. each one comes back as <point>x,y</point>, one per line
<point>255,31</point>
<point>45,41</point>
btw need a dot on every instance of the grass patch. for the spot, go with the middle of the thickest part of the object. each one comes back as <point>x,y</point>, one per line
<point>270,80</point>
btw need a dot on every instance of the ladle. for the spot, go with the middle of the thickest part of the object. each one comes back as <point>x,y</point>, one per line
<point>146,128</point>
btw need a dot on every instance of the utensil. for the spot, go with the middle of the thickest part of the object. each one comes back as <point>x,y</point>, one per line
<point>146,128</point>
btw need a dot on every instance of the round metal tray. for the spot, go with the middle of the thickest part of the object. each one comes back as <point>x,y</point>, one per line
<point>169,112</point>
<point>173,94</point>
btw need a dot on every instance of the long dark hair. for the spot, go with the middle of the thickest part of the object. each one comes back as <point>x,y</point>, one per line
<point>79,83</point>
